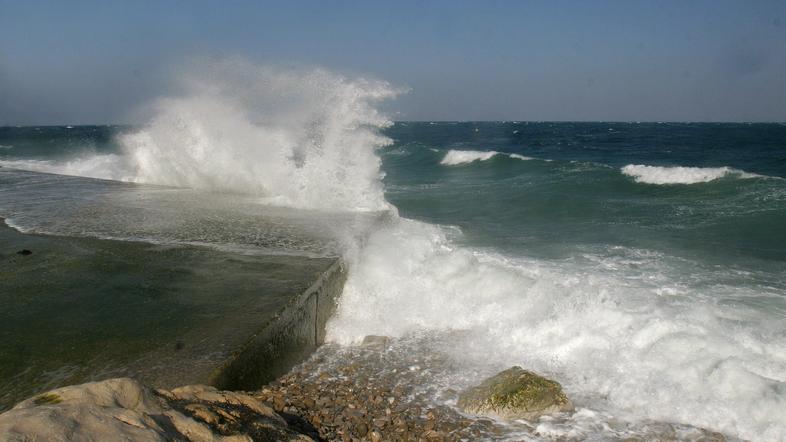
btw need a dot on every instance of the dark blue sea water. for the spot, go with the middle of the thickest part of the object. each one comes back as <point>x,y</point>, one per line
<point>641,264</point>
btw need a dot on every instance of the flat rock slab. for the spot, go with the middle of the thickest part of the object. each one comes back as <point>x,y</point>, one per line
<point>124,409</point>
<point>82,309</point>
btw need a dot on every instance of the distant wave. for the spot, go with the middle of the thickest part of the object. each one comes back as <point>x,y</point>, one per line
<point>108,166</point>
<point>681,175</point>
<point>456,157</point>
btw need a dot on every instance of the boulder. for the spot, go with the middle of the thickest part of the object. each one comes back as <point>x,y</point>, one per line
<point>124,409</point>
<point>515,394</point>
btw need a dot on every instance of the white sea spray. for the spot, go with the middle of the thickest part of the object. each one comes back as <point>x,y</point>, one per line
<point>297,137</point>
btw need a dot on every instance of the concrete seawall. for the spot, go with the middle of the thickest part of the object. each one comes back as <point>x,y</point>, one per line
<point>287,339</point>
<point>86,309</point>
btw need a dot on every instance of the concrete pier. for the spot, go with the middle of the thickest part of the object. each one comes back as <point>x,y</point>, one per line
<point>85,309</point>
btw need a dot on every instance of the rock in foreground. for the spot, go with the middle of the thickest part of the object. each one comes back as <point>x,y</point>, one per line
<point>515,394</point>
<point>123,409</point>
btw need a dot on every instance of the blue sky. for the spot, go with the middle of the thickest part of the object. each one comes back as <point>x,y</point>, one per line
<point>94,62</point>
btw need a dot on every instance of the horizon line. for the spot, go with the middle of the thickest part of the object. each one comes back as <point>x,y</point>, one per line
<point>73,125</point>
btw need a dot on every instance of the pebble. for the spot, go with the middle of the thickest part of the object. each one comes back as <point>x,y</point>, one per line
<point>365,399</point>
<point>360,394</point>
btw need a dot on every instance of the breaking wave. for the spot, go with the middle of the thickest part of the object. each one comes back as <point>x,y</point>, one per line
<point>621,334</point>
<point>681,175</point>
<point>457,157</point>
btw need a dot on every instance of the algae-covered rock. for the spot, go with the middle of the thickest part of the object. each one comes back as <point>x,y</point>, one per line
<point>515,394</point>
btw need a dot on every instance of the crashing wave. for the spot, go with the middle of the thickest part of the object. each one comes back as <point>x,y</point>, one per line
<point>299,138</point>
<point>603,332</point>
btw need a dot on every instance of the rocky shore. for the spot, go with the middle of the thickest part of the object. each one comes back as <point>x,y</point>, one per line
<point>356,401</point>
<point>364,395</point>
<point>124,409</point>
<point>340,394</point>
<point>371,397</point>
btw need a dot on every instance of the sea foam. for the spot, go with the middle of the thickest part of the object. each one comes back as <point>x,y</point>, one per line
<point>604,331</point>
<point>680,175</point>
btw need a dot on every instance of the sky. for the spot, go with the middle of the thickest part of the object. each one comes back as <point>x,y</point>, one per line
<point>82,62</point>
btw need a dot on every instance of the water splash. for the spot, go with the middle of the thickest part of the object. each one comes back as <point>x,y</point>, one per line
<point>300,138</point>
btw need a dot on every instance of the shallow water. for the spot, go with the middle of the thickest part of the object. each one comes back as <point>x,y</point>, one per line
<point>423,387</point>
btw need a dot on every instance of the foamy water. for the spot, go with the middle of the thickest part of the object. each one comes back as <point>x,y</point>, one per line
<point>634,345</point>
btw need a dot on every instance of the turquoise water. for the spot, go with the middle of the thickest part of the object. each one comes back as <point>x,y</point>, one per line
<point>572,194</point>
<point>643,265</point>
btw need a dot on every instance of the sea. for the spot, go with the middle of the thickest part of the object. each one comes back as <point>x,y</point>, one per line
<point>640,264</point>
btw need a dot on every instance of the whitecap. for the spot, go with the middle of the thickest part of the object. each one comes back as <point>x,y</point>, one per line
<point>457,157</point>
<point>680,174</point>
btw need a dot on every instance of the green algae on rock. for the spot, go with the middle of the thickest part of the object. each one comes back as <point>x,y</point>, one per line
<point>46,399</point>
<point>515,394</point>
